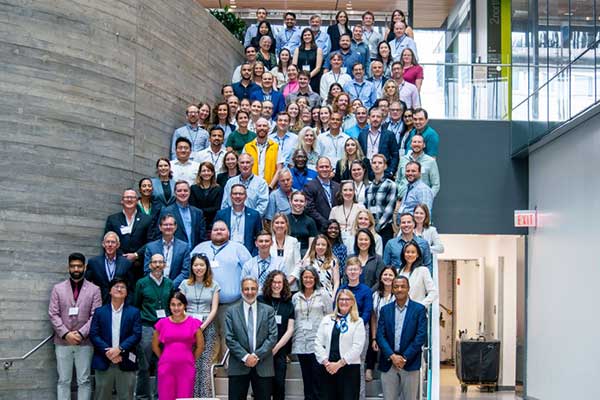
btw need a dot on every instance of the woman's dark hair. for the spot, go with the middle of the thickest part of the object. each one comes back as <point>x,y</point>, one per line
<point>337,15</point>
<point>256,39</point>
<point>168,162</point>
<point>142,181</point>
<point>418,262</point>
<point>425,208</point>
<point>211,167</point>
<point>314,273</point>
<point>224,167</point>
<point>207,280</point>
<point>215,116</point>
<point>286,293</point>
<point>340,197</point>
<point>329,95</point>
<point>179,296</point>
<point>279,63</point>
<point>380,285</point>
<point>312,41</point>
<point>326,230</point>
<point>371,249</point>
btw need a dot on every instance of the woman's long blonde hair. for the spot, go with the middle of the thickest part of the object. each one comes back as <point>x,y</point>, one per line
<point>353,310</point>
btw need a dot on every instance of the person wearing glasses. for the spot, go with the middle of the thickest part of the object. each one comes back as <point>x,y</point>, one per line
<point>192,131</point>
<point>115,331</point>
<point>338,345</point>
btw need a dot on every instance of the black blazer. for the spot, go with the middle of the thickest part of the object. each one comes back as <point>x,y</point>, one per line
<point>96,273</point>
<point>317,205</point>
<point>198,225</point>
<point>334,35</point>
<point>347,173</point>
<point>141,233</point>
<point>208,200</point>
<point>387,146</point>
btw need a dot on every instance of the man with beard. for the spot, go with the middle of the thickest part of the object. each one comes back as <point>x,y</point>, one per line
<point>192,131</point>
<point>72,306</point>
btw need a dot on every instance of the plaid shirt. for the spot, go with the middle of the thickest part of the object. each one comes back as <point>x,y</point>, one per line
<point>380,199</point>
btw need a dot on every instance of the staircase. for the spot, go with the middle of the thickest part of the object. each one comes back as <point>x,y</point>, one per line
<point>293,384</point>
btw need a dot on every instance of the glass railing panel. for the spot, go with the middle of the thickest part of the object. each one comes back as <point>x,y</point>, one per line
<point>559,99</point>
<point>583,82</point>
<point>538,114</point>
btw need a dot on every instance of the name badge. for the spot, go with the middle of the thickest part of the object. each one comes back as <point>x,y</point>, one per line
<point>73,311</point>
<point>306,68</point>
<point>214,264</point>
<point>132,357</point>
<point>344,70</point>
<point>126,230</point>
<point>161,313</point>
<point>306,325</point>
<point>278,319</point>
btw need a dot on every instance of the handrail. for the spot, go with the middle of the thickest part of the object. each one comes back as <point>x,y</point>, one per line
<point>447,64</point>
<point>8,362</point>
<point>212,371</point>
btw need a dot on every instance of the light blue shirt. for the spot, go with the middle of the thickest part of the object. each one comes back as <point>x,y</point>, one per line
<point>278,202</point>
<point>198,136</point>
<point>186,216</point>
<point>287,144</point>
<point>226,263</point>
<point>238,225</point>
<point>416,193</point>
<point>399,44</point>
<point>364,91</point>
<point>324,43</point>
<point>257,191</point>
<point>430,174</point>
<point>331,146</point>
<point>399,314</point>
<point>250,33</point>
<point>327,189</point>
<point>288,39</point>
<point>259,268</point>
<point>393,250</point>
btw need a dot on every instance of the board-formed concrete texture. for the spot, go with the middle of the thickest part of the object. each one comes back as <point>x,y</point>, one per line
<point>91,92</point>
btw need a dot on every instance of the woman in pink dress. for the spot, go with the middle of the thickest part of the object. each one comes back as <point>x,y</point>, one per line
<point>182,343</point>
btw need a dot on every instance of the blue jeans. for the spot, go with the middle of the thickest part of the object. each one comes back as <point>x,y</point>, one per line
<point>66,356</point>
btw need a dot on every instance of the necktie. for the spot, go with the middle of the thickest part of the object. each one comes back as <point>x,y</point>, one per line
<point>262,276</point>
<point>251,329</point>
<point>75,292</point>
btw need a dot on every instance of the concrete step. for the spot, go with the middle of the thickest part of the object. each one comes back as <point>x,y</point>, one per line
<point>294,387</point>
<point>293,371</point>
<point>287,397</point>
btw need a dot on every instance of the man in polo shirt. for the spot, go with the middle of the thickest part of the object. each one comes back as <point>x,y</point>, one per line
<point>430,135</point>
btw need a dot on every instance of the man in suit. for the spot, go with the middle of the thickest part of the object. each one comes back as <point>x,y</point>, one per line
<point>401,332</point>
<point>377,140</point>
<point>175,252</point>
<point>72,306</point>
<point>321,194</point>
<point>116,330</point>
<point>103,268</point>
<point>189,219</point>
<point>251,334</point>
<point>243,222</point>
<point>134,229</point>
<point>268,93</point>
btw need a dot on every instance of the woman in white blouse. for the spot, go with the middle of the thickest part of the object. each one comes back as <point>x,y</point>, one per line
<point>345,214</point>
<point>422,288</point>
<point>338,345</point>
<point>285,246</point>
<point>425,230</point>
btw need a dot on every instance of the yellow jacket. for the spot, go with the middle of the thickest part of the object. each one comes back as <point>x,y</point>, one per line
<point>270,155</point>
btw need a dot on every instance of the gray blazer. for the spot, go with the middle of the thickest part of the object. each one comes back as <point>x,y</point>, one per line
<point>237,339</point>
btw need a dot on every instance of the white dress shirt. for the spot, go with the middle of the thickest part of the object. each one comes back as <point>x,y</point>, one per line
<point>185,171</point>
<point>116,325</point>
<point>208,155</point>
<point>254,315</point>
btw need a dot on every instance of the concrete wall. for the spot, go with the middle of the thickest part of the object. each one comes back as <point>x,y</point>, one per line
<point>563,268</point>
<point>500,303</point>
<point>91,93</point>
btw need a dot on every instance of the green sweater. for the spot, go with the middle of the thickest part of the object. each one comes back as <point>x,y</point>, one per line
<point>149,297</point>
<point>237,141</point>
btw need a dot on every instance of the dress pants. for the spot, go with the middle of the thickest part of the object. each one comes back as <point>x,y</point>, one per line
<point>280,366</point>
<point>124,381</point>
<point>310,375</point>
<point>396,381</point>
<point>343,385</point>
<point>239,384</point>
<point>81,356</point>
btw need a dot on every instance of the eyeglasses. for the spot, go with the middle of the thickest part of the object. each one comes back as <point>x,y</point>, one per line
<point>344,300</point>
<point>159,262</point>
<point>120,287</point>
<point>408,116</point>
<point>129,198</point>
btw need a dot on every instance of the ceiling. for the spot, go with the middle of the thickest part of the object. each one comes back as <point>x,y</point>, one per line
<point>427,13</point>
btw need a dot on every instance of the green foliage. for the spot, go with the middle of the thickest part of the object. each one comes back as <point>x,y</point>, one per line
<point>232,22</point>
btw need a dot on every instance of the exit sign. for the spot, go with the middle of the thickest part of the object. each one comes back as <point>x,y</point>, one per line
<point>525,218</point>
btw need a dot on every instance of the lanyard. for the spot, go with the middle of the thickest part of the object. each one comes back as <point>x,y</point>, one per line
<point>347,217</point>
<point>334,142</point>
<point>196,293</point>
<point>374,142</point>
<point>288,37</point>
<point>212,158</point>
<point>336,78</point>
<point>356,91</point>
<point>280,141</point>
<point>110,272</point>
<point>399,43</point>
<point>217,251</point>
<point>309,304</point>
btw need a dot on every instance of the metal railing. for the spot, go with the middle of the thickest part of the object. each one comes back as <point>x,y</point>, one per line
<point>8,362</point>
<point>212,371</point>
<point>430,365</point>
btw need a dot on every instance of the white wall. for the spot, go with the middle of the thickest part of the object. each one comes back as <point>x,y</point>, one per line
<point>563,353</point>
<point>490,247</point>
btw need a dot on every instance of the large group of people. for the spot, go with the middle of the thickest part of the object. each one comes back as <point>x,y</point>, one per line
<point>292,219</point>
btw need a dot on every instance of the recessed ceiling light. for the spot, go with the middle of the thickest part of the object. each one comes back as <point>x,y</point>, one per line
<point>568,14</point>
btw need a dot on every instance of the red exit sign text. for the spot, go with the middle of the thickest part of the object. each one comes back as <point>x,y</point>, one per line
<point>525,218</point>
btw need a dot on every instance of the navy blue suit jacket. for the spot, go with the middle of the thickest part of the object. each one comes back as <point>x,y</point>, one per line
<point>180,264</point>
<point>96,273</point>
<point>414,335</point>
<point>252,225</point>
<point>276,98</point>
<point>141,233</point>
<point>198,224</point>
<point>387,146</point>
<point>129,336</point>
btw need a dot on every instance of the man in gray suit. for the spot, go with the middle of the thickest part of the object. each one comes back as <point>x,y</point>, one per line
<point>251,334</point>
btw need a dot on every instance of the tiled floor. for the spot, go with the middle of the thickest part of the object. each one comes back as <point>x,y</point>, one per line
<point>450,389</point>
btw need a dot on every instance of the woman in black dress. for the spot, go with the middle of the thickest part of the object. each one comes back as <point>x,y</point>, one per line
<point>309,57</point>
<point>302,227</point>
<point>206,194</point>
